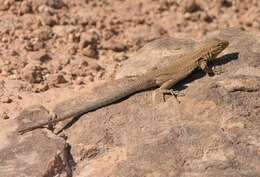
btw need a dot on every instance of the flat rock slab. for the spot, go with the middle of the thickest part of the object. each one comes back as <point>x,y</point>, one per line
<point>214,131</point>
<point>37,153</point>
<point>154,54</point>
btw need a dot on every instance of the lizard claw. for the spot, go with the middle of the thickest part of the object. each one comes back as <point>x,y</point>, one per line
<point>172,92</point>
<point>53,116</point>
<point>217,71</point>
<point>163,92</point>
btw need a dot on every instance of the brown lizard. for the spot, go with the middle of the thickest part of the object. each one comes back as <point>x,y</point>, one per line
<point>164,77</point>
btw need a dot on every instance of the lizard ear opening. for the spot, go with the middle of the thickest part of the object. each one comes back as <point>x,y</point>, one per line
<point>201,61</point>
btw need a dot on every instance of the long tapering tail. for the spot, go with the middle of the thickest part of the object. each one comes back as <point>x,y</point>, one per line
<point>137,86</point>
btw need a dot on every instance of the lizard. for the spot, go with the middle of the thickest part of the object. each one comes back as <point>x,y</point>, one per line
<point>164,78</point>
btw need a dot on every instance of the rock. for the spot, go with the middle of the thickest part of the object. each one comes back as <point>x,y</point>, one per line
<point>244,84</point>
<point>32,154</point>
<point>4,115</point>
<point>6,99</point>
<point>226,3</point>
<point>59,30</point>
<point>56,79</point>
<point>48,20</point>
<point>140,35</point>
<point>94,66</point>
<point>137,63</point>
<point>114,45</point>
<point>88,44</point>
<point>40,56</point>
<point>32,73</point>
<point>207,18</point>
<point>89,52</point>
<point>56,4</point>
<point>191,6</point>
<point>79,81</point>
<point>34,44</point>
<point>209,131</point>
<point>89,38</point>
<point>89,152</point>
<point>44,33</point>
<point>46,10</point>
<point>26,7</point>
<point>5,4</point>
<point>40,88</point>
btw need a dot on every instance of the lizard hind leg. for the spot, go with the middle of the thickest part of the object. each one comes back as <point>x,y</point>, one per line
<point>165,89</point>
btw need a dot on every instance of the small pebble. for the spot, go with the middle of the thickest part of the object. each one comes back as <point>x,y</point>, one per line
<point>6,99</point>
<point>4,115</point>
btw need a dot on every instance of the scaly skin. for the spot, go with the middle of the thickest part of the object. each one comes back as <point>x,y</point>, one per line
<point>164,77</point>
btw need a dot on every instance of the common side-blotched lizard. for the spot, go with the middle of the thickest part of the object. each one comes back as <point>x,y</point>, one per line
<point>164,77</point>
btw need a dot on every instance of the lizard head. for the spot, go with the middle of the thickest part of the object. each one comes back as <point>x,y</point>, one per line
<point>215,47</point>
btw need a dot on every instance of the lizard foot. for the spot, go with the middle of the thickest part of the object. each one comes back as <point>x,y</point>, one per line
<point>53,116</point>
<point>217,71</point>
<point>161,93</point>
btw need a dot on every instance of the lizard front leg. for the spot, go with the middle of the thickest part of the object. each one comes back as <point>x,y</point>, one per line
<point>203,64</point>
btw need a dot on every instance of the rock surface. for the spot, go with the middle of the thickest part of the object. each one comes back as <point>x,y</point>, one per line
<point>37,153</point>
<point>214,131</point>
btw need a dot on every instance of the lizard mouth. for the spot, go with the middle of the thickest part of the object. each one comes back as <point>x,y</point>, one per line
<point>221,45</point>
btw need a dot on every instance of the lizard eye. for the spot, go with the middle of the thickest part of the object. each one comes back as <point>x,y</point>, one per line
<point>223,44</point>
<point>220,45</point>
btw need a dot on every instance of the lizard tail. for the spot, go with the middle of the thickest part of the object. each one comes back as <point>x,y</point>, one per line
<point>138,86</point>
